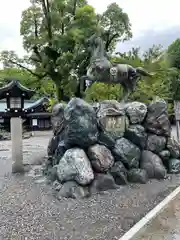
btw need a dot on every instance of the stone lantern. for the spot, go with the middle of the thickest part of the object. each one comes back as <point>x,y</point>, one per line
<point>15,94</point>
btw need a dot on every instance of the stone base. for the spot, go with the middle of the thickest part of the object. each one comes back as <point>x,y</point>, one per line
<point>99,147</point>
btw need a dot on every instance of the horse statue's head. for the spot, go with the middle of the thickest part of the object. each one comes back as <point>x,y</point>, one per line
<point>94,42</point>
<point>99,64</point>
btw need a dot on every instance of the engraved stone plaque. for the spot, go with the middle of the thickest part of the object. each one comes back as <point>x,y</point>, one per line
<point>114,125</point>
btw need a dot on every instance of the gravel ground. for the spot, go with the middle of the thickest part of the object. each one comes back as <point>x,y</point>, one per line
<point>28,209</point>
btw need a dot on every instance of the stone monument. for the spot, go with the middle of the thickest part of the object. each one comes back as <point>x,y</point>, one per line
<point>102,146</point>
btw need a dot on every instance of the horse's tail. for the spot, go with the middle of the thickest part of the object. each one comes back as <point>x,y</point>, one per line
<point>143,72</point>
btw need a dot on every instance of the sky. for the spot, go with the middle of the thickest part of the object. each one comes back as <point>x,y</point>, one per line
<point>146,16</point>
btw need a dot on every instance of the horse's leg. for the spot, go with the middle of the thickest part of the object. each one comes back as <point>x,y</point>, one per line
<point>82,86</point>
<point>89,85</point>
<point>130,87</point>
<point>135,81</point>
<point>125,94</point>
<point>78,91</point>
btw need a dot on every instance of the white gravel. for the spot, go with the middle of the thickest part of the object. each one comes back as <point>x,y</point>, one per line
<point>28,209</point>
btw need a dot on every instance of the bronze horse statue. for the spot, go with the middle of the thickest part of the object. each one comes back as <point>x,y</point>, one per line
<point>102,70</point>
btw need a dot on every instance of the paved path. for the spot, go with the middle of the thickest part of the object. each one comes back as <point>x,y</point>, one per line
<point>166,226</point>
<point>34,151</point>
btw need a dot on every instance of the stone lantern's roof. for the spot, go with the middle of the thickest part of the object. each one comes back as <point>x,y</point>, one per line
<point>16,89</point>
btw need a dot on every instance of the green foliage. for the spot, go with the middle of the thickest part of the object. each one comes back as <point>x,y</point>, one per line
<point>174,54</point>
<point>100,91</point>
<point>52,102</point>
<point>22,75</point>
<point>152,53</point>
<point>28,80</point>
<point>54,34</point>
<point>174,79</point>
<point>115,25</point>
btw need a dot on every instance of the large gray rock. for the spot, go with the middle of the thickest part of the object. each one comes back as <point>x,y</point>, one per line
<point>96,106</point>
<point>60,150</point>
<point>119,172</point>
<point>52,146</point>
<point>155,143</point>
<point>173,147</point>
<point>136,112</point>
<point>137,135</point>
<point>112,119</point>
<point>174,165</point>
<point>81,127</point>
<point>71,189</point>
<point>106,140</point>
<point>100,157</point>
<point>165,155</point>
<point>57,118</point>
<point>136,175</point>
<point>51,173</point>
<point>127,152</point>
<point>75,166</point>
<point>110,108</point>
<point>102,182</point>
<point>157,120</point>
<point>152,163</point>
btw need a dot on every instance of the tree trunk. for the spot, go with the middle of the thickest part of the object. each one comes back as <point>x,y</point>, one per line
<point>57,79</point>
<point>59,93</point>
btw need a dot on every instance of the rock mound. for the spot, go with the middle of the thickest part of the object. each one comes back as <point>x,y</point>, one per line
<point>101,146</point>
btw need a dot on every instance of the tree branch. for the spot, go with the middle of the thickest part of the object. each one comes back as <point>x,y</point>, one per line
<point>40,76</point>
<point>62,24</point>
<point>35,49</point>
<point>35,26</point>
<point>110,39</point>
<point>74,7</point>
<point>46,10</point>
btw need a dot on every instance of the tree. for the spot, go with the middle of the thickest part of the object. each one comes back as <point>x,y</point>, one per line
<point>10,60</point>
<point>54,35</point>
<point>173,53</point>
<point>152,54</point>
<point>173,60</point>
<point>115,26</point>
